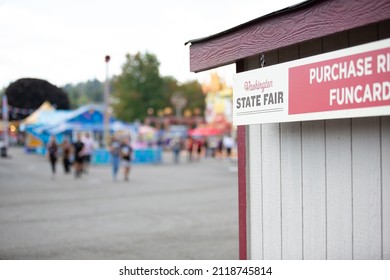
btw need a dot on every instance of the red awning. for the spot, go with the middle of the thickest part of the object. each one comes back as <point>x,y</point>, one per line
<point>205,131</point>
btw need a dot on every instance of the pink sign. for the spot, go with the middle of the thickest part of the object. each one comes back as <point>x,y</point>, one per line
<point>350,82</point>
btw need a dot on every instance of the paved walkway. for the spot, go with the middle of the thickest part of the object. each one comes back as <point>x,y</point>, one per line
<point>167,211</point>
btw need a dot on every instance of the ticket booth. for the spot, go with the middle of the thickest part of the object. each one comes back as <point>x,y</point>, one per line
<point>312,105</point>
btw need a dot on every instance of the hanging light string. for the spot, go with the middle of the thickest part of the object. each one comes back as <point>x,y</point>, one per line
<point>19,111</point>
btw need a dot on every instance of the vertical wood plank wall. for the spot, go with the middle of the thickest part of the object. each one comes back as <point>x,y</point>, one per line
<point>319,189</point>
<point>291,191</point>
<point>385,152</point>
<point>338,155</point>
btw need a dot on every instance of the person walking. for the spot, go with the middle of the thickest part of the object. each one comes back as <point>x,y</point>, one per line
<point>52,154</point>
<point>228,143</point>
<point>115,150</point>
<point>89,146</point>
<point>126,153</point>
<point>219,148</point>
<point>176,148</point>
<point>199,148</point>
<point>66,152</point>
<point>189,146</point>
<point>213,145</point>
<point>78,148</point>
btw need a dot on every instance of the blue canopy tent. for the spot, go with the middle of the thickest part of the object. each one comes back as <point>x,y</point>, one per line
<point>90,119</point>
<point>36,133</point>
<point>62,123</point>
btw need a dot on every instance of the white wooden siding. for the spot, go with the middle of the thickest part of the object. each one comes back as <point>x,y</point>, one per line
<point>313,187</point>
<point>339,189</point>
<point>291,184</point>
<point>366,181</point>
<point>271,192</point>
<point>319,190</point>
<point>385,146</point>
<point>255,193</point>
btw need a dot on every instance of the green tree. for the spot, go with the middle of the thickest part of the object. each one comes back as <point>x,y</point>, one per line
<point>192,91</point>
<point>73,95</point>
<point>138,88</point>
<point>84,93</point>
<point>170,86</point>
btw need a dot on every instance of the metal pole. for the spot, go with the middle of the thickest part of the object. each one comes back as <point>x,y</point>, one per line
<point>106,128</point>
<point>5,120</point>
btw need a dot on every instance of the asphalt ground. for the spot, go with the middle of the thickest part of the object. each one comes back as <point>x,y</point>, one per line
<point>167,211</point>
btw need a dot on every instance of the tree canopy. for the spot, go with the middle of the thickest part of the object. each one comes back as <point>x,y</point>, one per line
<point>26,94</point>
<point>140,87</point>
<point>84,93</point>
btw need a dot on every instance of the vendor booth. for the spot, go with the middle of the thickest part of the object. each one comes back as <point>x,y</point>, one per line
<point>311,100</point>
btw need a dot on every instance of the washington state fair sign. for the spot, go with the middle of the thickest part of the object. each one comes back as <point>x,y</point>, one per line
<point>353,82</point>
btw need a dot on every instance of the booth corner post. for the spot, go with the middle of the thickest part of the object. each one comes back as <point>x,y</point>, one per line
<point>106,126</point>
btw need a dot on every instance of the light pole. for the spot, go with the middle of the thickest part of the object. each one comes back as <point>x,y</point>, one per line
<point>106,128</point>
<point>5,120</point>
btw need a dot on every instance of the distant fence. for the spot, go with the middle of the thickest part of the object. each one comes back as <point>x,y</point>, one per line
<point>102,156</point>
<point>141,156</point>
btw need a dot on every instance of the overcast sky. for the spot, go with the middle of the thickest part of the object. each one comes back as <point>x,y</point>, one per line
<point>66,41</point>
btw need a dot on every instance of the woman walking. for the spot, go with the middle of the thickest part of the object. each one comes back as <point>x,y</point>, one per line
<point>126,153</point>
<point>66,152</point>
<point>52,154</point>
<point>115,150</point>
<point>78,148</point>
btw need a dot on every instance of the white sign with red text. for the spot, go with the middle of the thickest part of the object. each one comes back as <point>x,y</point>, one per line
<point>353,82</point>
